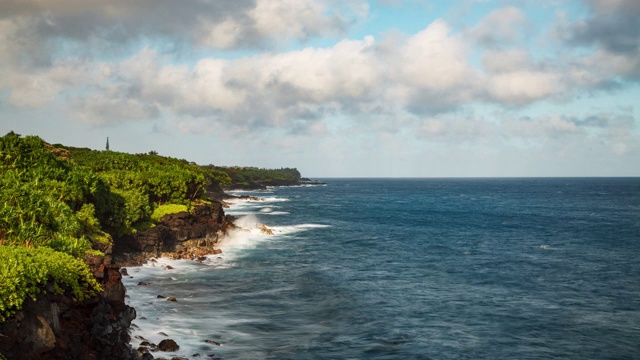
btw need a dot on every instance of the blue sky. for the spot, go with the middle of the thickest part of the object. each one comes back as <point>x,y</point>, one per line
<point>335,88</point>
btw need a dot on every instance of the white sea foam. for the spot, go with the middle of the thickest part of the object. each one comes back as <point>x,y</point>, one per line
<point>157,315</point>
<point>181,320</point>
<point>268,210</point>
<point>278,213</point>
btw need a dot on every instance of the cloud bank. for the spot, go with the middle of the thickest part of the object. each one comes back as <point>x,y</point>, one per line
<point>108,63</point>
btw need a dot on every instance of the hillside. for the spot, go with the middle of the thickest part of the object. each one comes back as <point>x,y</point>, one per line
<point>61,210</point>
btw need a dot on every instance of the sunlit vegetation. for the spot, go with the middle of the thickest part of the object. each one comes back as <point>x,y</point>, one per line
<point>257,176</point>
<point>25,272</point>
<point>46,201</point>
<point>167,209</point>
<point>59,204</point>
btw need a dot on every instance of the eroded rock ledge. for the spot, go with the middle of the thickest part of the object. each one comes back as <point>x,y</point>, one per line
<point>182,235</point>
<point>57,327</point>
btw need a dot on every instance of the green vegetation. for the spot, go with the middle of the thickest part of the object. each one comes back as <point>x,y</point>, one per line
<point>251,176</point>
<point>48,222</point>
<point>167,209</point>
<point>46,201</point>
<point>59,204</point>
<point>24,272</point>
<point>141,183</point>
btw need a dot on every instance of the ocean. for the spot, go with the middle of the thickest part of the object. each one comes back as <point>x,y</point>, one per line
<point>544,268</point>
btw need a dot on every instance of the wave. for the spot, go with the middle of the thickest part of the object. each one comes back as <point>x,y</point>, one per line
<point>184,321</point>
<point>188,321</point>
<point>252,231</point>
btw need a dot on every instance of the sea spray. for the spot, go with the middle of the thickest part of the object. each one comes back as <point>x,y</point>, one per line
<point>190,320</point>
<point>247,235</point>
<point>409,269</point>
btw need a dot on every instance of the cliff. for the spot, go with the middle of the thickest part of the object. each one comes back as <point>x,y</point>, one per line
<point>66,205</point>
<point>183,235</point>
<point>57,327</point>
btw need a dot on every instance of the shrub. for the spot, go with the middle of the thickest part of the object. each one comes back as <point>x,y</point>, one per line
<point>24,272</point>
<point>166,209</point>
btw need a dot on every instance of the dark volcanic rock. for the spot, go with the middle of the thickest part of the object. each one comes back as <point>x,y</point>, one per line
<point>57,327</point>
<point>168,345</point>
<point>179,235</point>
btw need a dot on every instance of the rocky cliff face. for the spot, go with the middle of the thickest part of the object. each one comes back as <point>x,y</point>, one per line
<point>179,235</point>
<point>57,327</point>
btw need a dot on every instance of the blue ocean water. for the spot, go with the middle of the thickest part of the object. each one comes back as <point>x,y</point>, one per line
<point>413,269</point>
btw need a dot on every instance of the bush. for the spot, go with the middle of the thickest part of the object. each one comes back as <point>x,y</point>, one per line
<point>141,182</point>
<point>45,201</point>
<point>166,209</point>
<point>24,272</point>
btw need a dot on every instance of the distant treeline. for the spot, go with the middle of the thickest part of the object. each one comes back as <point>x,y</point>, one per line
<point>253,176</point>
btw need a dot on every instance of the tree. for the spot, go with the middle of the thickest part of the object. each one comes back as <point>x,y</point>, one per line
<point>107,143</point>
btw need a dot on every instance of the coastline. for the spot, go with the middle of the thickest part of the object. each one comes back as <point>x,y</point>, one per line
<point>61,285</point>
<point>58,327</point>
<point>153,283</point>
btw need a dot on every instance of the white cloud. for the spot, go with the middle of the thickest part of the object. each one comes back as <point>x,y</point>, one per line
<point>293,18</point>
<point>522,86</point>
<point>216,24</point>
<point>433,59</point>
<point>221,35</point>
<point>501,61</point>
<point>545,126</point>
<point>503,26</point>
<point>418,82</point>
<point>601,68</point>
<point>460,128</point>
<point>346,70</point>
<point>100,110</point>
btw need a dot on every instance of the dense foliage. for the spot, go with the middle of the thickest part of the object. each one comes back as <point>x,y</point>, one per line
<point>58,204</point>
<point>167,209</point>
<point>144,181</point>
<point>256,176</point>
<point>24,272</point>
<point>46,201</point>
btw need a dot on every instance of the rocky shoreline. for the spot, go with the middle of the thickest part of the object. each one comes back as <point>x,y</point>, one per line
<point>57,327</point>
<point>183,235</point>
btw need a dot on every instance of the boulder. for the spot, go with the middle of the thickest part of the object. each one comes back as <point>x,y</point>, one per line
<point>265,230</point>
<point>168,345</point>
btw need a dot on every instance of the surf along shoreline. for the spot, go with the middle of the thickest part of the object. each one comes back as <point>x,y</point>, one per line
<point>56,326</point>
<point>195,236</point>
<point>73,216</point>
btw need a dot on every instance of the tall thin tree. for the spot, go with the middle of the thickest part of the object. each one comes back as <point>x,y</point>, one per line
<point>107,143</point>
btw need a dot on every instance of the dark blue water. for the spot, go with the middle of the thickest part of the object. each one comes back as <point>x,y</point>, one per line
<point>427,269</point>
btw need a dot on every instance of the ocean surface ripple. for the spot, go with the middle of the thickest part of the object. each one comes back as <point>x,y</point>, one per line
<point>412,269</point>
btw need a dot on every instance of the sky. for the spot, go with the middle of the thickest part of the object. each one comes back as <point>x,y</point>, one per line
<point>335,88</point>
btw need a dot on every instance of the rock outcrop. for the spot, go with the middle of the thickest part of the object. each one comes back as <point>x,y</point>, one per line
<point>179,235</point>
<point>57,327</point>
